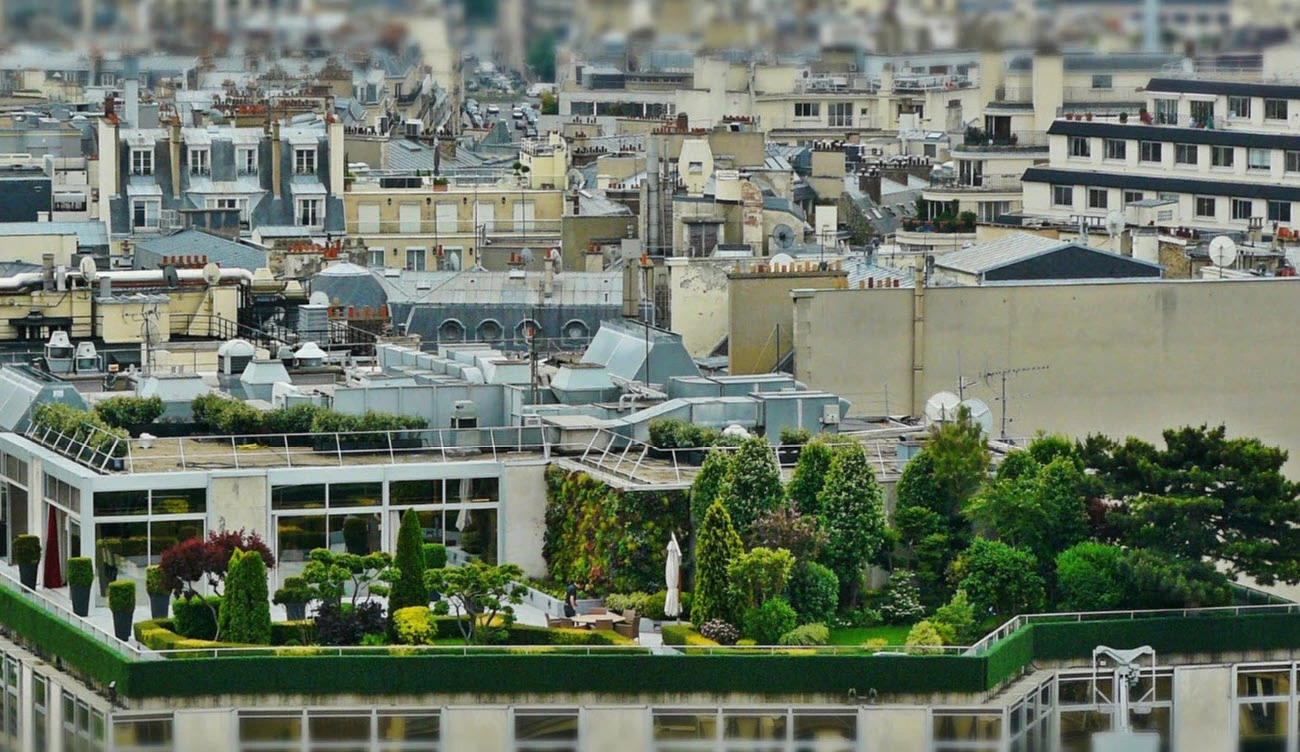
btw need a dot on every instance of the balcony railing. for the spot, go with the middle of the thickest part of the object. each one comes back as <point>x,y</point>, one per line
<point>461,228</point>
<point>984,184</point>
<point>980,140</point>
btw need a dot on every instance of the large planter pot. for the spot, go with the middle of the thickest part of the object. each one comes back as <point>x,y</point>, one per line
<point>80,599</point>
<point>122,624</point>
<point>159,605</point>
<point>27,574</point>
<point>296,611</point>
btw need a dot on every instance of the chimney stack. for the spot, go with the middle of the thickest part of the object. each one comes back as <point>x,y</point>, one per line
<point>174,144</point>
<point>275,158</point>
<point>131,70</point>
<point>869,183</point>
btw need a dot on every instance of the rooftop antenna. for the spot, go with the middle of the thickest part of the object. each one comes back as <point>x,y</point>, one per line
<point>1223,253</point>
<point>1114,227</point>
<point>1002,376</point>
<point>1083,230</point>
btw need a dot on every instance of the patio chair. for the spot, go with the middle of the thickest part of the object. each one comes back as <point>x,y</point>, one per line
<point>564,623</point>
<point>605,625</point>
<point>597,610</point>
<point>630,627</point>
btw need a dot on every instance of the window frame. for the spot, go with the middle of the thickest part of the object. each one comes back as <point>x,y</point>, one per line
<point>244,165</point>
<point>1282,207</point>
<point>1276,110</point>
<point>1267,164</point>
<point>1080,147</point>
<point>1217,153</point>
<point>200,160</point>
<point>317,206</point>
<point>1094,193</point>
<point>142,161</point>
<point>1237,203</point>
<point>1181,151</point>
<point>303,158</point>
<point>1117,149</point>
<point>810,110</point>
<point>1067,190</point>
<point>1147,148</point>
<point>1128,197</point>
<point>145,203</point>
<point>1196,207</point>
<point>1238,113</point>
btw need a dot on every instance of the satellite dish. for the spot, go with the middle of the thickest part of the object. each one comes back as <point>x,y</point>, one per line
<point>980,414</point>
<point>453,261</point>
<point>783,236</point>
<point>171,277</point>
<point>211,273</point>
<point>150,334</point>
<point>527,255</point>
<point>781,259</point>
<point>1114,223</point>
<point>319,298</point>
<point>574,180</point>
<point>941,408</point>
<point>88,269</point>
<point>1223,252</point>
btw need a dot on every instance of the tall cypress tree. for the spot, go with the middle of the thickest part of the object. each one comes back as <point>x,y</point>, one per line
<point>718,546</point>
<point>409,590</point>
<point>246,608</point>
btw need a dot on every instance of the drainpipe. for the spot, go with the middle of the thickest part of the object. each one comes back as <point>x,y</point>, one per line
<point>918,335</point>
<point>175,144</point>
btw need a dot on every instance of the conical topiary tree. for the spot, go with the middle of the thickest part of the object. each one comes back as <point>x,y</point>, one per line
<point>718,546</point>
<point>409,589</point>
<point>853,515</point>
<point>809,475</point>
<point>753,483</point>
<point>708,483</point>
<point>245,615</point>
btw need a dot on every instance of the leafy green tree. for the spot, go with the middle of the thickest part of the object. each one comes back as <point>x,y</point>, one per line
<point>245,615</point>
<point>1157,580</point>
<point>753,483</point>
<point>1044,513</point>
<point>918,488</point>
<point>924,634</point>
<point>1254,532</point>
<point>718,546</point>
<point>1049,446</point>
<point>767,623</point>
<point>1016,465</point>
<point>999,579</point>
<point>541,55</point>
<point>1090,577</point>
<point>961,460</point>
<point>409,588</point>
<point>480,593</point>
<point>800,534</point>
<point>814,592</point>
<point>955,620</point>
<point>1174,525</point>
<point>331,576</point>
<point>924,548</point>
<point>708,482</point>
<point>809,476</point>
<point>550,103</point>
<point>759,575</point>
<point>853,514</point>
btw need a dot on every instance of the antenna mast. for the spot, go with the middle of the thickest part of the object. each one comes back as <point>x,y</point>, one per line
<point>1002,375</point>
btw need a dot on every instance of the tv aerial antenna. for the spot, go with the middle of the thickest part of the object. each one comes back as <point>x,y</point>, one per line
<point>150,336</point>
<point>1002,376</point>
<point>1223,253</point>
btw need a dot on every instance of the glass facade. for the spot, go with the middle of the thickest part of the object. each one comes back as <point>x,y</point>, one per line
<point>774,729</point>
<point>386,730</point>
<point>133,528</point>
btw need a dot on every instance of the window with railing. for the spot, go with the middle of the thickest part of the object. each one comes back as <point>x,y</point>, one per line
<point>1166,111</point>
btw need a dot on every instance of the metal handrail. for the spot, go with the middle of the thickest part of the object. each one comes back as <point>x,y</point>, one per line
<point>469,650</point>
<point>64,614</point>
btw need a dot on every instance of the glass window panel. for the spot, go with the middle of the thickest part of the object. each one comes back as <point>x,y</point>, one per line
<point>142,733</point>
<point>409,727</point>
<point>338,728</point>
<point>124,542</point>
<point>1262,726</point>
<point>116,503</point>
<point>167,533</point>
<point>685,726</point>
<point>1263,683</point>
<point>179,501</point>
<point>475,532</point>
<point>298,497</point>
<point>412,492</point>
<point>354,533</point>
<point>269,728</point>
<point>480,490</point>
<point>356,494</point>
<point>1075,691</point>
<point>546,726</point>
<point>825,729</point>
<point>297,537</point>
<point>754,727</point>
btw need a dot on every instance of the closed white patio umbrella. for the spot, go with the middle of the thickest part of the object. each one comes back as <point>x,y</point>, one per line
<point>672,576</point>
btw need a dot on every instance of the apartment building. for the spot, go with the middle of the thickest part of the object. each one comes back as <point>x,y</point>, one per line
<point>1225,154</point>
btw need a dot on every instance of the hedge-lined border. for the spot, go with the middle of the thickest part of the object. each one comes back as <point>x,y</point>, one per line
<point>525,670</point>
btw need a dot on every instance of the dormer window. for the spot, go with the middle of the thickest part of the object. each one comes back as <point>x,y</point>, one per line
<point>304,161</point>
<point>200,161</point>
<point>246,160</point>
<point>142,161</point>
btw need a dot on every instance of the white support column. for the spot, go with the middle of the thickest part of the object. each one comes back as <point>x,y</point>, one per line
<point>1203,708</point>
<point>476,729</point>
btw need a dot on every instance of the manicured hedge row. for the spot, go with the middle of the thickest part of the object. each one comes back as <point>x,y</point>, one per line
<point>683,635</point>
<point>51,637</point>
<point>1008,657</point>
<point>1194,634</point>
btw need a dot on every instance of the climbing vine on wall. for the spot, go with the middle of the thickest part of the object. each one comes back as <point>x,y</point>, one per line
<point>614,541</point>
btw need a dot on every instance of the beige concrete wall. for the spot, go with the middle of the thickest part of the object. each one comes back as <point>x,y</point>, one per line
<point>1125,358</point>
<point>896,728</point>
<point>624,728</point>
<point>205,729</point>
<point>475,729</point>
<point>31,248</point>
<point>122,322</point>
<point>577,232</point>
<point>241,500</point>
<point>1203,708</point>
<point>523,516</point>
<point>697,296</point>
<point>761,316</point>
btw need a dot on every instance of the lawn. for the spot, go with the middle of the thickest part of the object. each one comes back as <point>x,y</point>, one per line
<point>892,635</point>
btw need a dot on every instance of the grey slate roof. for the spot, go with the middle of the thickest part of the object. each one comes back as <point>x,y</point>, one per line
<point>149,252</point>
<point>90,235</point>
<point>1007,250</point>
<point>1171,134</point>
<point>1164,185</point>
<point>1191,86</point>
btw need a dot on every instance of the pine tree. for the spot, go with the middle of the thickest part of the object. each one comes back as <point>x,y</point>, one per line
<point>246,609</point>
<point>409,590</point>
<point>719,545</point>
<point>853,515</point>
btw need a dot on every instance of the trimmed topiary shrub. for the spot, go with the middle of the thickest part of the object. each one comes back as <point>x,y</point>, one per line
<point>27,549</point>
<point>196,618</point>
<point>246,616</point>
<point>768,622</point>
<point>409,589</point>
<point>435,556</point>
<point>807,634</point>
<point>153,581</point>
<point>81,571</point>
<point>121,596</point>
<point>414,626</point>
<point>683,635</point>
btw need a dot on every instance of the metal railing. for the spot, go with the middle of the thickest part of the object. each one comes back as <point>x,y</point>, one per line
<point>85,451</point>
<point>463,228</point>
<point>986,183</point>
<point>1019,622</point>
<point>471,650</point>
<point>65,614</point>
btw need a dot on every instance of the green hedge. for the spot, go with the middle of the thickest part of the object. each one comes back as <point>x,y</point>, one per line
<point>1011,655</point>
<point>49,637</point>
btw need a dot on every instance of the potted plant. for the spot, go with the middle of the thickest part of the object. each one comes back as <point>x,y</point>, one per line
<point>121,601</point>
<point>1145,116</point>
<point>435,557</point>
<point>81,574</point>
<point>1123,117</point>
<point>159,596</point>
<point>294,596</point>
<point>355,532</point>
<point>1087,116</point>
<point>440,184</point>
<point>27,554</point>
